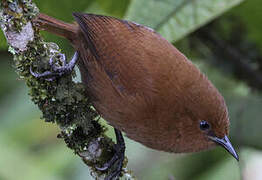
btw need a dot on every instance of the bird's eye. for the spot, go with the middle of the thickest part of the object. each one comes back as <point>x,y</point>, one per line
<point>204,125</point>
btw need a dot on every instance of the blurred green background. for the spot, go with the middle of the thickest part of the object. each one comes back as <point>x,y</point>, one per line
<point>222,37</point>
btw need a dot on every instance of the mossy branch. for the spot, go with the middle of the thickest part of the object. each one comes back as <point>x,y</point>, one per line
<point>61,101</point>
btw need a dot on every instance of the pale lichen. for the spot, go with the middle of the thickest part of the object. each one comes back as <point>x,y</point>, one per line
<point>21,39</point>
<point>61,101</point>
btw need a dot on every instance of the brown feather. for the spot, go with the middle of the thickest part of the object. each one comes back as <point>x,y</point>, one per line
<point>142,85</point>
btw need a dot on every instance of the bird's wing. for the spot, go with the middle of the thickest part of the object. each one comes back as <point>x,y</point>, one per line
<point>131,70</point>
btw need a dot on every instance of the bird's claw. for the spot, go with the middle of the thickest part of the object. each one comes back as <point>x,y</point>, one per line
<point>117,159</point>
<point>56,69</point>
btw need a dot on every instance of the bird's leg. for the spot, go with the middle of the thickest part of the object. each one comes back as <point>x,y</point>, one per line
<point>118,157</point>
<point>56,69</point>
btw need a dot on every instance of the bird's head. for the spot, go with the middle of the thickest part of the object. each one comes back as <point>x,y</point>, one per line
<point>217,135</point>
<point>205,122</point>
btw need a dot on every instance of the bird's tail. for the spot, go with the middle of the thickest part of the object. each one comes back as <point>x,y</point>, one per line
<point>55,26</point>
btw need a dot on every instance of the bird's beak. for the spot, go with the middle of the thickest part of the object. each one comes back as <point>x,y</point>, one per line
<point>224,142</point>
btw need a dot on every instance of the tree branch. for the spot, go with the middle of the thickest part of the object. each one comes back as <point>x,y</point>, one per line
<point>61,101</point>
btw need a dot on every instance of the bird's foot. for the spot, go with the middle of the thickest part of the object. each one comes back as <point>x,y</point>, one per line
<point>118,158</point>
<point>57,68</point>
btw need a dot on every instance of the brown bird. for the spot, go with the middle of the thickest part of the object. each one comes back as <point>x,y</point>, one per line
<point>142,85</point>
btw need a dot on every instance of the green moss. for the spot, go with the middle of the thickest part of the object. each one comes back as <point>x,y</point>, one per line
<point>61,101</point>
<point>20,11</point>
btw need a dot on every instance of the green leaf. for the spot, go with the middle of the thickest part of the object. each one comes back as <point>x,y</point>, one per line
<point>176,19</point>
